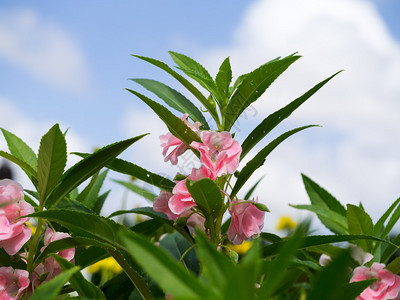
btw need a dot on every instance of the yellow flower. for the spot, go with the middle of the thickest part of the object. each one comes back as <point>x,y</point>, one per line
<point>31,226</point>
<point>286,223</point>
<point>242,248</point>
<point>107,264</point>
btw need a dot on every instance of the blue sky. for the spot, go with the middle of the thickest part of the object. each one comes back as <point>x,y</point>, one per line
<point>69,62</point>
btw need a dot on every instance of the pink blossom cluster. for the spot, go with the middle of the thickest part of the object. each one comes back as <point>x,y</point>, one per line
<point>13,283</point>
<point>386,287</point>
<point>50,267</point>
<point>13,231</point>
<point>219,155</point>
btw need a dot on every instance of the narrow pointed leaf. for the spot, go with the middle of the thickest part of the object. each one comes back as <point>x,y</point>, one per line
<point>83,287</point>
<point>190,87</point>
<point>196,71</point>
<point>93,194</point>
<point>175,125</point>
<point>251,190</point>
<point>277,117</point>
<point>223,80</point>
<point>253,86</point>
<point>381,222</point>
<point>87,167</point>
<point>359,222</point>
<point>137,189</point>
<point>20,149</point>
<point>174,99</point>
<point>260,157</point>
<point>50,289</point>
<point>171,276</point>
<point>30,172</point>
<point>52,159</point>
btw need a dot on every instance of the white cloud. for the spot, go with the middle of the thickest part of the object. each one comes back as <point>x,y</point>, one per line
<point>42,49</point>
<point>355,155</point>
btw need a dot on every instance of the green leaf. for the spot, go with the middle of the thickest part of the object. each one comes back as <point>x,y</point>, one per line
<point>90,256</point>
<point>124,167</point>
<point>195,71</point>
<point>174,99</point>
<point>10,261</point>
<point>176,126</point>
<point>67,243</point>
<point>392,221</point>
<point>92,194</point>
<point>147,211</point>
<point>381,222</point>
<point>85,225</point>
<point>52,159</point>
<point>168,273</point>
<point>49,290</point>
<point>181,250</point>
<point>394,266</point>
<point>331,278</point>
<point>359,222</point>
<point>32,174</point>
<point>190,87</point>
<point>137,189</point>
<point>84,288</point>
<point>253,86</point>
<point>332,220</point>
<point>207,196</point>
<point>87,167</point>
<point>259,159</point>
<point>100,202</point>
<point>277,117</point>
<point>276,270</point>
<point>316,240</point>
<point>216,266</point>
<point>20,149</point>
<point>251,190</point>
<point>223,80</point>
<point>321,198</point>
<point>350,291</point>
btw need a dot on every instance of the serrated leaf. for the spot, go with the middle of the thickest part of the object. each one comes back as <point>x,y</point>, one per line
<point>176,126</point>
<point>331,219</point>
<point>84,288</point>
<point>49,290</point>
<point>164,269</point>
<point>196,71</point>
<point>52,158</point>
<point>92,195</point>
<point>322,198</point>
<point>316,240</point>
<point>85,225</point>
<point>88,166</point>
<point>137,189</point>
<point>190,87</point>
<point>207,196</point>
<point>259,159</point>
<point>253,85</point>
<point>359,222</point>
<point>100,202</point>
<point>223,80</point>
<point>20,149</point>
<point>147,211</point>
<point>277,117</point>
<point>31,173</point>
<point>174,99</point>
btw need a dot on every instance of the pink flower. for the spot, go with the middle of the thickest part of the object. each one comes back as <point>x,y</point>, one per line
<point>181,199</point>
<point>168,140</point>
<point>247,221</point>
<point>386,287</point>
<point>160,204</point>
<point>50,265</point>
<point>13,232</point>
<point>13,283</point>
<point>218,152</point>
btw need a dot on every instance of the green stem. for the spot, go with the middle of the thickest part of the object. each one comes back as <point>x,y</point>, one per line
<point>33,243</point>
<point>136,279</point>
